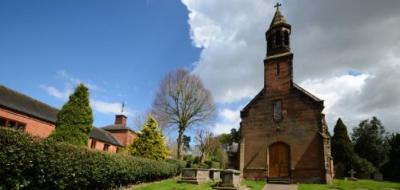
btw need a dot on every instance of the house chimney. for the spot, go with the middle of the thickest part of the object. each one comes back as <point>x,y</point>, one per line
<point>120,120</point>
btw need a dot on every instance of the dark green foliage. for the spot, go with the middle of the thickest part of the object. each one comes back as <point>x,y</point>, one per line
<point>186,143</point>
<point>391,170</point>
<point>28,163</point>
<point>369,141</point>
<point>235,135</point>
<point>74,120</point>
<point>150,142</point>
<point>342,148</point>
<point>363,167</point>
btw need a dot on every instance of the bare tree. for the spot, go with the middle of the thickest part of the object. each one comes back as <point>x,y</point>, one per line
<point>182,101</point>
<point>206,143</point>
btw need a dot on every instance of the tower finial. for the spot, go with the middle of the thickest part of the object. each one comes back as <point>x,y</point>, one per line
<point>122,107</point>
<point>277,5</point>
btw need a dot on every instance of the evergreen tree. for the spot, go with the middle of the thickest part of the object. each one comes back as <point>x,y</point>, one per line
<point>391,170</point>
<point>369,141</point>
<point>150,143</point>
<point>75,119</point>
<point>342,148</point>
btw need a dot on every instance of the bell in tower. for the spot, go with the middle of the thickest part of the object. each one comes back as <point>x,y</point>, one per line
<point>277,36</point>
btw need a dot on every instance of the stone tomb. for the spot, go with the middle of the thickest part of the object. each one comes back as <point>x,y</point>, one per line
<point>194,175</point>
<point>230,180</point>
<point>215,174</point>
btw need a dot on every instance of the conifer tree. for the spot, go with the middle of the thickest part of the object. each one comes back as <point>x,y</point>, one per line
<point>342,147</point>
<point>150,143</point>
<point>75,119</point>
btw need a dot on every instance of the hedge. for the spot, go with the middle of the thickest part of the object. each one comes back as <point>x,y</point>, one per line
<point>30,163</point>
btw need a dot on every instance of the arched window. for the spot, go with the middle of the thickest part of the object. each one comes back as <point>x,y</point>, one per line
<point>286,35</point>
<point>278,38</point>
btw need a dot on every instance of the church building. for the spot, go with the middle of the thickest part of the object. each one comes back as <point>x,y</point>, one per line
<point>284,136</point>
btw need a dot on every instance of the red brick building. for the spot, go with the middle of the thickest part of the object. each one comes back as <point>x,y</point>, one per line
<point>36,118</point>
<point>284,136</point>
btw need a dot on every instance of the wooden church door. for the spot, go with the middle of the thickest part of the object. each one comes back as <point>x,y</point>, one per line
<point>279,162</point>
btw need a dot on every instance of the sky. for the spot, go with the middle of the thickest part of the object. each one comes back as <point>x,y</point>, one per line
<point>345,52</point>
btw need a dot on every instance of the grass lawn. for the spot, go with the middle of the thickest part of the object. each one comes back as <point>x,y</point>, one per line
<point>351,185</point>
<point>172,184</point>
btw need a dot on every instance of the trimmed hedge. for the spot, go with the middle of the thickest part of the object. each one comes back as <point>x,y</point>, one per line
<point>29,163</point>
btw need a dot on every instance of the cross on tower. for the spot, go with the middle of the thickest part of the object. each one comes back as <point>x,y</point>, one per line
<point>277,5</point>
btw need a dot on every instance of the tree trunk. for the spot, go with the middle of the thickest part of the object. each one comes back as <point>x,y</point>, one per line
<point>179,149</point>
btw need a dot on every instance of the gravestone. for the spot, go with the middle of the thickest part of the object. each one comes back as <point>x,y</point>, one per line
<point>230,180</point>
<point>215,174</point>
<point>194,175</point>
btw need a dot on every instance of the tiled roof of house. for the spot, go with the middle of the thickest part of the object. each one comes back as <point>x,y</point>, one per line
<point>116,127</point>
<point>105,136</point>
<point>24,104</point>
<point>18,102</point>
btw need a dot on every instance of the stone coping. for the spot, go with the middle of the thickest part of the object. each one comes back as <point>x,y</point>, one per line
<point>198,169</point>
<point>231,171</point>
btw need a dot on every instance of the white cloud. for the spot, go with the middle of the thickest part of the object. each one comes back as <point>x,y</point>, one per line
<point>335,90</point>
<point>59,94</point>
<point>71,82</point>
<point>228,119</point>
<point>326,43</point>
<point>110,107</point>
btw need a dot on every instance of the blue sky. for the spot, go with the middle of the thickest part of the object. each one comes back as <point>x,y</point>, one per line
<point>121,49</point>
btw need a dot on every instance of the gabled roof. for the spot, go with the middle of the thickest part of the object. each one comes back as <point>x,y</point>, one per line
<point>302,90</point>
<point>253,100</point>
<point>117,127</point>
<point>22,103</point>
<point>105,136</point>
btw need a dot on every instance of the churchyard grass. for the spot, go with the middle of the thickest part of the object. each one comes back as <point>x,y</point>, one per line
<point>352,185</point>
<point>172,184</point>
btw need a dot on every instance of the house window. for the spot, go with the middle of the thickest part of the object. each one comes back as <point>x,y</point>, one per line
<point>277,110</point>
<point>12,124</point>
<point>93,144</point>
<point>105,148</point>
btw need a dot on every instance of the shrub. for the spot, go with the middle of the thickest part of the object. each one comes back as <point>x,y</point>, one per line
<point>29,163</point>
<point>150,142</point>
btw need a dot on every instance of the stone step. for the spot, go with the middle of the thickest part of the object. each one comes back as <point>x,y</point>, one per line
<point>278,180</point>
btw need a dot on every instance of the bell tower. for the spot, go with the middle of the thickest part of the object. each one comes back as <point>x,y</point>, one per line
<point>278,62</point>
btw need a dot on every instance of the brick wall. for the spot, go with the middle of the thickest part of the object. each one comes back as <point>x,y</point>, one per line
<point>126,137</point>
<point>33,126</point>
<point>99,145</point>
<point>300,128</point>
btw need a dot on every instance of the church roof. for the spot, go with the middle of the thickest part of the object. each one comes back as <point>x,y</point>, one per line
<point>278,18</point>
<point>253,100</point>
<point>22,103</point>
<point>296,86</point>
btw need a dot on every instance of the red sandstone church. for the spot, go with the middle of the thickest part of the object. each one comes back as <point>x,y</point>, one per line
<point>36,118</point>
<point>284,136</point>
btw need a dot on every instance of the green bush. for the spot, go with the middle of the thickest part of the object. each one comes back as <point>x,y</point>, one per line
<point>29,163</point>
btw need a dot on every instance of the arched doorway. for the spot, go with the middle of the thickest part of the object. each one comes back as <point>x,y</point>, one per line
<point>279,160</point>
